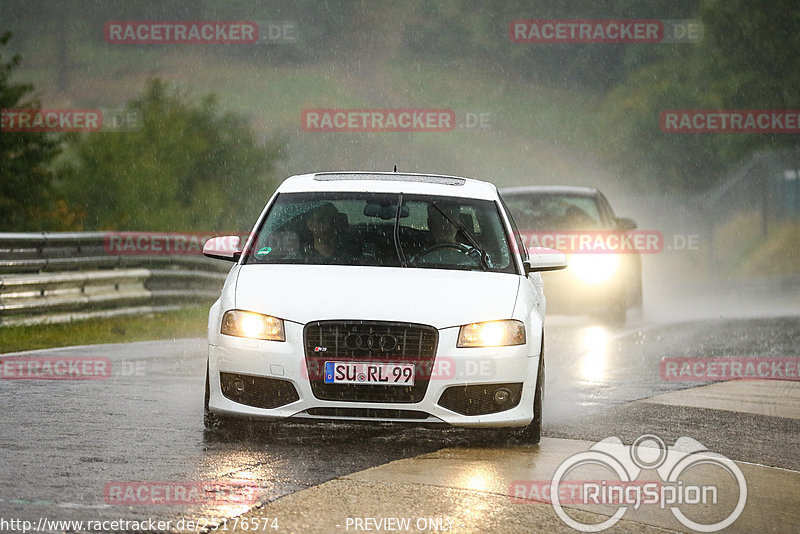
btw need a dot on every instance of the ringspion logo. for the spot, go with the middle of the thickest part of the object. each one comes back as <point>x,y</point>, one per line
<point>681,468</point>
<point>577,491</point>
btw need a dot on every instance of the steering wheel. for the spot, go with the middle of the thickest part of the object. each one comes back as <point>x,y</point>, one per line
<point>457,246</point>
<point>460,247</point>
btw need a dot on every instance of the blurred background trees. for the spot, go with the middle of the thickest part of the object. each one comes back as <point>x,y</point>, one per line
<point>210,162</point>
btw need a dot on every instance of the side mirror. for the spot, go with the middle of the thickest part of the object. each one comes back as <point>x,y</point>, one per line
<point>542,259</point>
<point>624,223</point>
<point>223,248</point>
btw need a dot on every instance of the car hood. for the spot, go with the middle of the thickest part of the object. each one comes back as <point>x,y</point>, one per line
<point>440,298</point>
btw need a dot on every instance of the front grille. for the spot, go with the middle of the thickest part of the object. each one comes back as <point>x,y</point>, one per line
<point>367,413</point>
<point>479,399</point>
<point>257,391</point>
<point>369,341</point>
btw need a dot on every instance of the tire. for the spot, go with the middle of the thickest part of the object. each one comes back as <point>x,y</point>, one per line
<point>532,434</point>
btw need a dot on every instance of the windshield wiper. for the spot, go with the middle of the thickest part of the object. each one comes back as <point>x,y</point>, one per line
<point>400,254</point>
<point>471,238</point>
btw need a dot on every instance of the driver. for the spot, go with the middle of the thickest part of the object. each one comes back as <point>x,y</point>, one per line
<point>326,244</point>
<point>442,240</point>
<point>322,223</point>
<point>440,229</point>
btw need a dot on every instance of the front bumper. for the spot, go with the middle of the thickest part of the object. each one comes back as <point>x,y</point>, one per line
<point>278,369</point>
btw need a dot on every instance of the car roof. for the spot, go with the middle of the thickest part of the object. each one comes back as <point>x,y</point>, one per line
<point>390,182</point>
<point>550,190</point>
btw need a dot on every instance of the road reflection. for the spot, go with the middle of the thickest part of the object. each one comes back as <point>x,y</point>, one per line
<point>594,357</point>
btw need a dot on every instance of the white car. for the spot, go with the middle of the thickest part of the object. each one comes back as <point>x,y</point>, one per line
<point>365,296</point>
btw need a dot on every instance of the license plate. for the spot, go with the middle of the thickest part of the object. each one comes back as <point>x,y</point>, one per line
<point>369,373</point>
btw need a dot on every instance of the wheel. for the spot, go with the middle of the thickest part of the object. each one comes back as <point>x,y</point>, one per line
<point>532,433</point>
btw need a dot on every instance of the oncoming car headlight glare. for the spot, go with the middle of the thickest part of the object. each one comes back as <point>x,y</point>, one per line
<point>252,325</point>
<point>491,334</point>
<point>594,268</point>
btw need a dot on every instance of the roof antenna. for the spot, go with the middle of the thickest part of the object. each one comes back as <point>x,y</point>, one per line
<point>395,168</point>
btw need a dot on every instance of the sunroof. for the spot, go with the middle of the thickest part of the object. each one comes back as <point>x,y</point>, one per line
<point>393,177</point>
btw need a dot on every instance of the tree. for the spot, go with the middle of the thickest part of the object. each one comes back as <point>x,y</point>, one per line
<point>26,200</point>
<point>188,168</point>
<point>746,60</point>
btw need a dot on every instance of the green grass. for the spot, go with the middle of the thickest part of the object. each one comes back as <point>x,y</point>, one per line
<point>538,134</point>
<point>188,322</point>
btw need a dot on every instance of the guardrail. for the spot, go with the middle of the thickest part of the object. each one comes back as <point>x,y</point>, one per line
<point>58,277</point>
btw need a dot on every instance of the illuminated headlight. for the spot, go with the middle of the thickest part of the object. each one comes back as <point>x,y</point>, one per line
<point>253,325</point>
<point>491,334</point>
<point>594,268</point>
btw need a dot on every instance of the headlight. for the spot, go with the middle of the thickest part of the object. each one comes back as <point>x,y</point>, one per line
<point>594,268</point>
<point>491,334</point>
<point>253,325</point>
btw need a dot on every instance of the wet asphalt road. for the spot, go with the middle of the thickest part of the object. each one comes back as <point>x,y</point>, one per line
<point>62,443</point>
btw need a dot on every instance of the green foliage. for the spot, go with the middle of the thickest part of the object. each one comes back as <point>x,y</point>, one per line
<point>25,158</point>
<point>189,168</point>
<point>746,60</point>
<point>478,32</point>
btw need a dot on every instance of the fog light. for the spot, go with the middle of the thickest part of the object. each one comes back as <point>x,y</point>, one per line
<point>238,385</point>
<point>502,396</point>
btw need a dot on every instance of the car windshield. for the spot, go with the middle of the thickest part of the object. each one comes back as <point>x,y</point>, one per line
<point>358,228</point>
<point>555,212</point>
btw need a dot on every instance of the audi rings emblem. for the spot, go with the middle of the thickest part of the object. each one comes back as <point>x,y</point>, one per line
<point>370,342</point>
